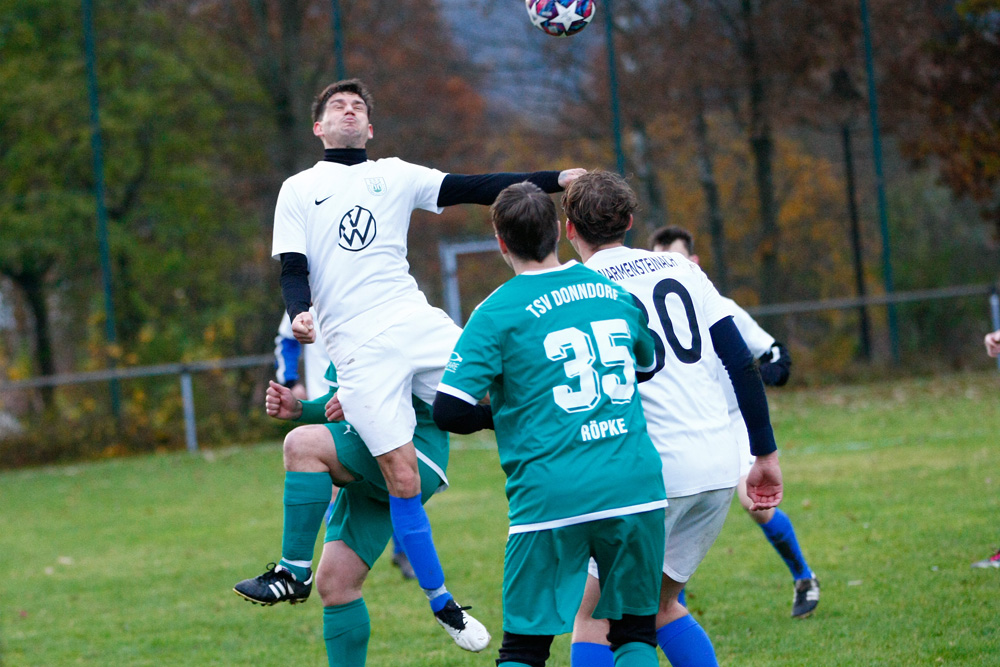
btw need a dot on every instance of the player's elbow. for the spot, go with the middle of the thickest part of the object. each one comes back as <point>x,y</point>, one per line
<point>456,416</point>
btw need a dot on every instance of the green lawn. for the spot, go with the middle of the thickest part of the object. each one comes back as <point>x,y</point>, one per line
<point>892,488</point>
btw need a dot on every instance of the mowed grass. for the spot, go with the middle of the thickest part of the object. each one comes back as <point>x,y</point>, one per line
<point>893,489</point>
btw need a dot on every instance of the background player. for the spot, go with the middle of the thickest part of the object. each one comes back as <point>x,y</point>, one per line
<point>992,342</point>
<point>775,364</point>
<point>684,407</point>
<point>340,229</point>
<point>556,347</point>
<point>318,457</point>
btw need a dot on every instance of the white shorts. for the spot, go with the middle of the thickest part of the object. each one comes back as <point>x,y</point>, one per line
<point>743,439</point>
<point>379,379</point>
<point>692,525</point>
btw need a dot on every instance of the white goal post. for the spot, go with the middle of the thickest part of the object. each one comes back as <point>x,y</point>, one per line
<point>449,252</point>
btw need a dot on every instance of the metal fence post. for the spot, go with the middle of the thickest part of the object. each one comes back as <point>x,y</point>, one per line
<point>187,396</point>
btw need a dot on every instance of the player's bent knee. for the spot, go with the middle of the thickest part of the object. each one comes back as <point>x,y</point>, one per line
<point>300,439</point>
<point>305,446</point>
<point>337,587</point>
<point>526,649</point>
<point>629,629</point>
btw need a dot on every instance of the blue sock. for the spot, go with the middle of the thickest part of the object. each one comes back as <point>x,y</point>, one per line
<point>411,526</point>
<point>329,513</point>
<point>781,535</point>
<point>681,598</point>
<point>587,654</point>
<point>685,643</point>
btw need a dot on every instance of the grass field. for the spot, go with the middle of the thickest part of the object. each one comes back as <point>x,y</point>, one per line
<point>893,489</point>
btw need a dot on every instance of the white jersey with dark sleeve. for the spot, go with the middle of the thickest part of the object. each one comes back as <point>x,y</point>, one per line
<point>351,223</point>
<point>683,402</point>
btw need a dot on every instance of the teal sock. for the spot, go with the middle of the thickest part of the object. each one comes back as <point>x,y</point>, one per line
<point>307,495</point>
<point>636,654</point>
<point>346,629</point>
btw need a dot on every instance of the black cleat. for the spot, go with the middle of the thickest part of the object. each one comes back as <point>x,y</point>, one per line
<point>467,632</point>
<point>806,597</point>
<point>274,586</point>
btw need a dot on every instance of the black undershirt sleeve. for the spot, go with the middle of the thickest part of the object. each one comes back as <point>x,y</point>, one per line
<point>456,416</point>
<point>739,363</point>
<point>484,188</point>
<point>295,283</point>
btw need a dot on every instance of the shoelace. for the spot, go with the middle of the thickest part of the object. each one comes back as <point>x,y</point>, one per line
<point>453,616</point>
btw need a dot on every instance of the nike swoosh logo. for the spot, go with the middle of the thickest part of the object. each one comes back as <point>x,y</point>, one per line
<point>320,201</point>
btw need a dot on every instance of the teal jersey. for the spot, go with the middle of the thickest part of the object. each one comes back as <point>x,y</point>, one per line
<point>432,444</point>
<point>557,352</point>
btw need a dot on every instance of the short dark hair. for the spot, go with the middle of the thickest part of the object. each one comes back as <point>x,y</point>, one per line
<point>664,236</point>
<point>600,205</point>
<point>355,86</point>
<point>525,219</point>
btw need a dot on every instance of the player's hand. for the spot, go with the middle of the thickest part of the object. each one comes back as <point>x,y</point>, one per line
<point>567,176</point>
<point>280,403</point>
<point>299,391</point>
<point>334,411</point>
<point>764,485</point>
<point>303,328</point>
<point>992,341</point>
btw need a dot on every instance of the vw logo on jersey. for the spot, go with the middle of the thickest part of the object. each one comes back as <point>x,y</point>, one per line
<point>376,185</point>
<point>357,229</point>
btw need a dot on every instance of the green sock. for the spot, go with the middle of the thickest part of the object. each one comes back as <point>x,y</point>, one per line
<point>307,495</point>
<point>636,654</point>
<point>346,629</point>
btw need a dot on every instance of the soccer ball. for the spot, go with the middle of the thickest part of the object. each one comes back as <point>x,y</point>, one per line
<point>560,18</point>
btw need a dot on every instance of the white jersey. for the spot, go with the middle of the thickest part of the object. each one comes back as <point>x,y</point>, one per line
<point>351,224</point>
<point>314,360</point>
<point>759,342</point>
<point>684,403</point>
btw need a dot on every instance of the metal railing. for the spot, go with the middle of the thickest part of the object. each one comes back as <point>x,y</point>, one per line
<point>185,370</point>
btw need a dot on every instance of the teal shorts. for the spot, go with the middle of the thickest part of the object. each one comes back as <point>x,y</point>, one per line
<point>545,571</point>
<point>361,511</point>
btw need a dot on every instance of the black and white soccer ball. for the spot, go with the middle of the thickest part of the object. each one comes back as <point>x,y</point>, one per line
<point>561,18</point>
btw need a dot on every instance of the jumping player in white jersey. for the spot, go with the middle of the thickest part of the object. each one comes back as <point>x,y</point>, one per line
<point>684,406</point>
<point>774,363</point>
<point>340,231</point>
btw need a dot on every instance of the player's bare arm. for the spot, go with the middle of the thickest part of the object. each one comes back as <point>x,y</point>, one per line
<point>280,403</point>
